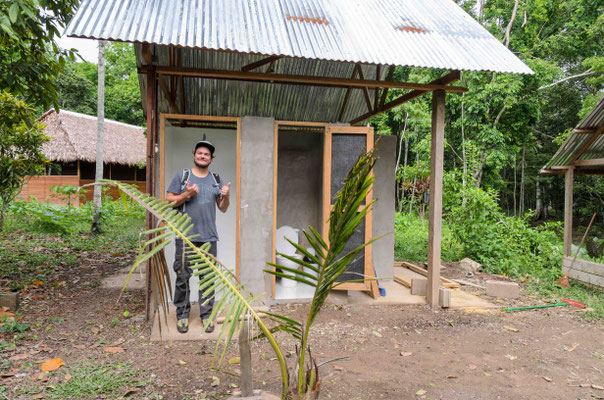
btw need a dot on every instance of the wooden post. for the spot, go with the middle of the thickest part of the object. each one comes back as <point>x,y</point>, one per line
<point>436,196</point>
<point>245,361</point>
<point>568,211</point>
<point>150,176</point>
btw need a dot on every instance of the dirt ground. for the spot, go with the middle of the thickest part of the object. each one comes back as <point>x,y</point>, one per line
<point>396,352</point>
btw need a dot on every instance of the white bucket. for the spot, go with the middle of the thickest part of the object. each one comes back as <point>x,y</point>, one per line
<point>288,283</point>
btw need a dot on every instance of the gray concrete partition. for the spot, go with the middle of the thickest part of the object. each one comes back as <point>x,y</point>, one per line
<point>383,209</point>
<point>256,196</point>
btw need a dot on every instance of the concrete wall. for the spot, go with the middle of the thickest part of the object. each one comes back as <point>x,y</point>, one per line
<point>179,155</point>
<point>299,188</point>
<point>256,218</point>
<point>383,209</point>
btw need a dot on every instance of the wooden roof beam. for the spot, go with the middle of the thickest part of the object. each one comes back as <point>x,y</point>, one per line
<point>587,145</point>
<point>303,79</point>
<point>264,61</point>
<point>347,95</point>
<point>440,82</point>
<point>594,162</point>
<point>385,90</point>
<point>365,88</point>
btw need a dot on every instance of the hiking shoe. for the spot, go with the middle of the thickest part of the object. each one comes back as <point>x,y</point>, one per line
<point>210,325</point>
<point>183,325</point>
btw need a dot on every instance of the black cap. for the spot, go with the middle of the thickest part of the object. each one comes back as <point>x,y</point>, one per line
<point>205,143</point>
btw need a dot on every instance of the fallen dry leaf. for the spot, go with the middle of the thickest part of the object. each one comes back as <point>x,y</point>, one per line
<point>215,381</point>
<point>472,366</point>
<point>406,353</point>
<point>116,343</point>
<point>95,330</point>
<point>234,360</point>
<point>53,364</point>
<point>420,392</point>
<point>182,362</point>
<point>19,357</point>
<point>4,312</point>
<point>37,297</point>
<point>113,350</point>
<point>338,368</point>
<point>571,348</point>
<point>547,378</point>
<point>79,346</point>
<point>451,376</point>
<point>39,283</point>
<point>376,333</point>
<point>67,378</point>
<point>38,396</point>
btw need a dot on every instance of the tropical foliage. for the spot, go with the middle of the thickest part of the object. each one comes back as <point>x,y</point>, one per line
<point>21,142</point>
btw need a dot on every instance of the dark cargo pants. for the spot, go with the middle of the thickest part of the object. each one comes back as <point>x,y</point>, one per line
<point>182,290</point>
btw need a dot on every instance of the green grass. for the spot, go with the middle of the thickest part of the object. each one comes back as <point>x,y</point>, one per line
<point>521,252</point>
<point>32,248</point>
<point>89,381</point>
<point>411,240</point>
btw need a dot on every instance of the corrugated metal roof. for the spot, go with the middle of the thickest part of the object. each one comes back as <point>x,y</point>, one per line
<point>280,101</point>
<point>419,33</point>
<point>594,120</point>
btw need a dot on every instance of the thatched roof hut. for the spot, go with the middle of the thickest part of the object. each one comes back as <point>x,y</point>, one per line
<point>73,137</point>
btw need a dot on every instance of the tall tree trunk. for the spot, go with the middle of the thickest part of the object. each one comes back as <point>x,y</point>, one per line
<point>479,168</point>
<point>399,190</point>
<point>3,213</point>
<point>96,217</point>
<point>538,201</point>
<point>515,185</point>
<point>463,152</point>
<point>522,166</point>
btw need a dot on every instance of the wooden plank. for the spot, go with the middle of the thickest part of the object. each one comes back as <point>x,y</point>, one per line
<point>326,182</point>
<point>374,290</point>
<point>436,196</point>
<point>39,187</point>
<point>260,63</point>
<point>451,77</point>
<point>568,211</point>
<point>208,118</point>
<point>422,271</point>
<point>403,282</point>
<point>146,53</point>
<point>594,162</point>
<point>304,80</point>
<point>302,123</point>
<point>378,70</point>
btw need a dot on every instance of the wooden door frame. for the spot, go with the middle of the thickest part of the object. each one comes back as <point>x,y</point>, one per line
<point>328,130</point>
<point>370,285</point>
<point>162,164</point>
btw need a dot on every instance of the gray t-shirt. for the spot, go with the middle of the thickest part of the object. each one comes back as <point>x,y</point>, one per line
<point>202,207</point>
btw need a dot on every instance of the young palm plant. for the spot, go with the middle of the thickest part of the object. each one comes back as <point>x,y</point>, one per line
<point>329,262</point>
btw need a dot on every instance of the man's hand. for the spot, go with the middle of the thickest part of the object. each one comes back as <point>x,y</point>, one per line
<point>191,190</point>
<point>224,191</point>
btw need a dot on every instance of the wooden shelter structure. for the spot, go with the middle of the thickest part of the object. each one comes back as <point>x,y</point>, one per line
<point>72,152</point>
<point>582,153</point>
<point>266,67</point>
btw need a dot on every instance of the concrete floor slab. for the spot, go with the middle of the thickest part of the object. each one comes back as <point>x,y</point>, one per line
<point>169,332</point>
<point>137,280</point>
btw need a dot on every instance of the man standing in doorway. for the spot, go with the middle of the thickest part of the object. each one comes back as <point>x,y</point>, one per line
<point>196,192</point>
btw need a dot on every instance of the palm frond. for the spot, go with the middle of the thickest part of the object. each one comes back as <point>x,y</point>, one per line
<point>214,276</point>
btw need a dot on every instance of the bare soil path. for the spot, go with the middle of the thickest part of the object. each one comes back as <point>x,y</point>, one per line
<point>395,352</point>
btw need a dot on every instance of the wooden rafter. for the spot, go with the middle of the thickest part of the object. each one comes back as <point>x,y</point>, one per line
<point>304,80</point>
<point>347,95</point>
<point>385,90</point>
<point>587,145</point>
<point>440,82</point>
<point>378,71</point>
<point>594,162</point>
<point>264,61</point>
<point>181,82</point>
<point>365,88</point>
<point>146,53</point>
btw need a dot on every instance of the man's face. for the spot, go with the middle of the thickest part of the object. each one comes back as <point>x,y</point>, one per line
<point>202,157</point>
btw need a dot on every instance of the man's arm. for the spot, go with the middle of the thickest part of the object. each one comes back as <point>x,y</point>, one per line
<point>223,201</point>
<point>190,191</point>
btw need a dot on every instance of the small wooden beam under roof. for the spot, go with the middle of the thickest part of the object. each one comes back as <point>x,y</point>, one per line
<point>305,80</point>
<point>435,85</point>
<point>264,61</point>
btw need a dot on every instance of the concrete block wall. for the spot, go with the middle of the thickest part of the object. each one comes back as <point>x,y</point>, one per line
<point>256,196</point>
<point>383,209</point>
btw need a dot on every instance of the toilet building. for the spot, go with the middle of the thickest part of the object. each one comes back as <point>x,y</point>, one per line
<point>284,89</point>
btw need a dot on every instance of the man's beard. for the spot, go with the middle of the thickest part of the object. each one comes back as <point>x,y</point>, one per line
<point>201,165</point>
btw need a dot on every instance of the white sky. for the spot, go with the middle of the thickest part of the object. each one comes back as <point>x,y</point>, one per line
<point>88,48</point>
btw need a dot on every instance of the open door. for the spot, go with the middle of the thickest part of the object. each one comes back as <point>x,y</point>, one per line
<point>342,147</point>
